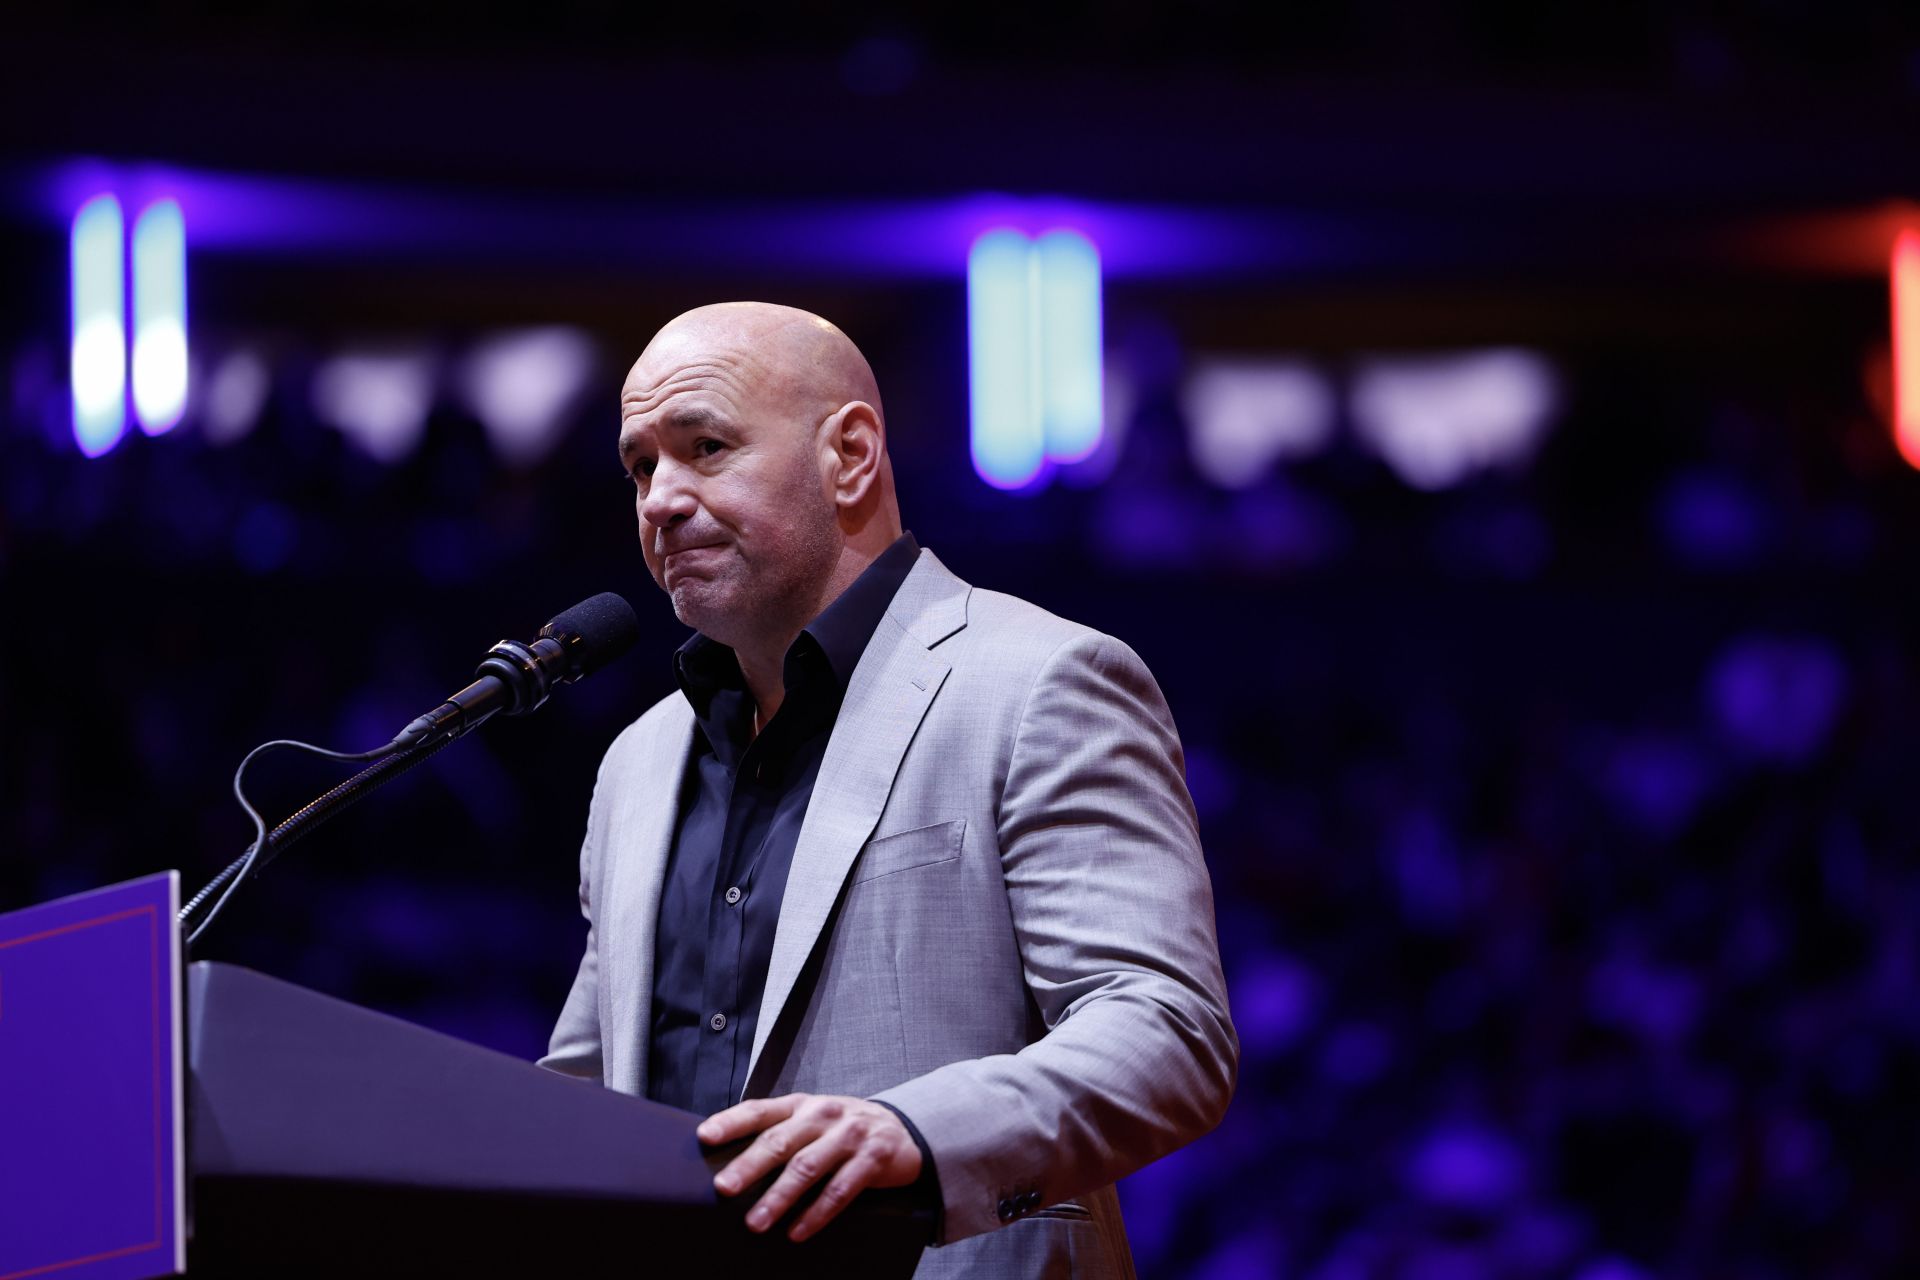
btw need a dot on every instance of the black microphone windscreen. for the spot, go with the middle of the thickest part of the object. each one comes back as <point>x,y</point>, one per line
<point>605,627</point>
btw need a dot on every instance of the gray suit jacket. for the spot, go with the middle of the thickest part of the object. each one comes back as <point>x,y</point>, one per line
<point>997,920</point>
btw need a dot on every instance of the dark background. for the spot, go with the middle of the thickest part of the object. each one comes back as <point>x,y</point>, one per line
<point>1560,819</point>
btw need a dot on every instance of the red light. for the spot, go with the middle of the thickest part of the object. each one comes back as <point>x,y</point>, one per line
<point>1905,274</point>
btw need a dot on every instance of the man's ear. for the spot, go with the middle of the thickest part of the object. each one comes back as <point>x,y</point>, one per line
<point>857,440</point>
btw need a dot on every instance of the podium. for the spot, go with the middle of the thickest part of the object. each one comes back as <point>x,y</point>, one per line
<point>320,1138</point>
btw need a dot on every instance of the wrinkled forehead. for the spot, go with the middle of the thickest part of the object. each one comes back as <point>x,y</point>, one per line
<point>745,365</point>
<point>676,356</point>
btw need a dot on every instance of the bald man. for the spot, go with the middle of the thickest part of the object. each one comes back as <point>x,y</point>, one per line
<point>904,882</point>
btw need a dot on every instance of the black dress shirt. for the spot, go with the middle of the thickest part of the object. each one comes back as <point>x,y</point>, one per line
<point>741,807</point>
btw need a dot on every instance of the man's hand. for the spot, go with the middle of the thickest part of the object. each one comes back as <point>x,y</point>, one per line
<point>861,1144</point>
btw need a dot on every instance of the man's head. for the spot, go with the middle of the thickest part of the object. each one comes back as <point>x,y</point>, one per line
<point>757,448</point>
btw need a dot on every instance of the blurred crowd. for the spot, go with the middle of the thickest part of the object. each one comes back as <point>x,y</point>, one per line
<point>1561,837</point>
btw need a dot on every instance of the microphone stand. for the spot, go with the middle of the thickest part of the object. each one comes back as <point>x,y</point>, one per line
<point>514,678</point>
<point>322,808</point>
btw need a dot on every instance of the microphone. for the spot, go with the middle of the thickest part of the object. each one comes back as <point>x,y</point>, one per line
<point>516,678</point>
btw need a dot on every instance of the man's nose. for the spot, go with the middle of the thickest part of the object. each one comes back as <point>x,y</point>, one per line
<point>670,497</point>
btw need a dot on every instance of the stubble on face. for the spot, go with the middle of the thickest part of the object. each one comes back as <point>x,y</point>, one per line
<point>768,547</point>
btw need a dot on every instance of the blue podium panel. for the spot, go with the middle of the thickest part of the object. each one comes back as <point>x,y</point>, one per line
<point>92,1168</point>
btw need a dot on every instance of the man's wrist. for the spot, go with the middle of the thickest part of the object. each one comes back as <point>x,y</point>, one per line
<point>925,1188</point>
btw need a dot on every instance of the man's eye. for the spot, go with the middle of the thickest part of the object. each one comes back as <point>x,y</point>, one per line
<point>708,447</point>
<point>643,468</point>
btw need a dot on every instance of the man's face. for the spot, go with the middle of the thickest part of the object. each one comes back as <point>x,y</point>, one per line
<point>736,522</point>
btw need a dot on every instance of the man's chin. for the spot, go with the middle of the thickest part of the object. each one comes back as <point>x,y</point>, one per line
<point>707,606</point>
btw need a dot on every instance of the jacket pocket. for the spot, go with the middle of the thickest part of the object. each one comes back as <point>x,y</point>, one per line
<point>1066,1209</point>
<point>906,850</point>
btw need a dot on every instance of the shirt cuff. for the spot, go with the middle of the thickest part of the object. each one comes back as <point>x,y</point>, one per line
<point>925,1188</point>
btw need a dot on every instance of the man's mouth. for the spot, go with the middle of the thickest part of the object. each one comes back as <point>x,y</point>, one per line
<point>682,559</point>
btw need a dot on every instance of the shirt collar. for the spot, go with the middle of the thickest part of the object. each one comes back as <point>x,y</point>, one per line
<point>844,627</point>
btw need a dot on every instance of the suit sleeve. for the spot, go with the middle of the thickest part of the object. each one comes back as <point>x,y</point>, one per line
<point>1113,914</point>
<point>574,1048</point>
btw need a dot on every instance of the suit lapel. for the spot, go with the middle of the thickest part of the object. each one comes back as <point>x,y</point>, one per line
<point>632,874</point>
<point>888,696</point>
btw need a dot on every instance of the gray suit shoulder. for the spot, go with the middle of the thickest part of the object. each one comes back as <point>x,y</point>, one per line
<point>1020,632</point>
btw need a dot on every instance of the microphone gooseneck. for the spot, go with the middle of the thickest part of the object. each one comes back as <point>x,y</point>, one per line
<point>514,678</point>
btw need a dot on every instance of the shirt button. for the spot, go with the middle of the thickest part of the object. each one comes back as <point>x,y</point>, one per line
<point>734,895</point>
<point>718,1022</point>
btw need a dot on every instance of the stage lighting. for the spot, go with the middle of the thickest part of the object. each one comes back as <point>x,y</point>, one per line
<point>1034,353</point>
<point>1009,444</point>
<point>159,317</point>
<point>521,385</point>
<point>377,399</point>
<point>1243,415</point>
<point>99,327</point>
<point>235,396</point>
<point>1906,344</point>
<point>1437,420</point>
<point>1067,276</point>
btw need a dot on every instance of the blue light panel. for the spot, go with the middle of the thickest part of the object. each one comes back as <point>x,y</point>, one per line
<point>99,327</point>
<point>1067,273</point>
<point>159,317</point>
<point>1009,444</point>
